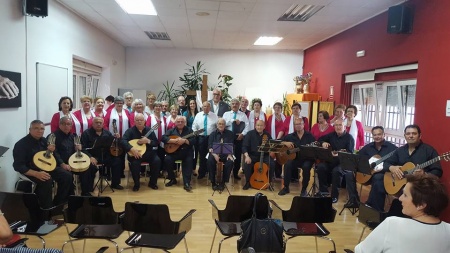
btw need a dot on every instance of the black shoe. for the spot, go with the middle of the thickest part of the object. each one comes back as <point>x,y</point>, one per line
<point>237,177</point>
<point>334,200</point>
<point>246,186</point>
<point>283,191</point>
<point>171,182</point>
<point>221,187</point>
<point>351,204</point>
<point>86,194</point>
<point>304,194</point>
<point>117,187</point>
<point>153,186</point>
<point>187,187</point>
<point>135,188</point>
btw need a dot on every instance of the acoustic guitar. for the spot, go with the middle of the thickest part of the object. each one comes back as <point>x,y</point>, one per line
<point>374,161</point>
<point>115,149</point>
<point>287,154</point>
<point>393,185</point>
<point>45,160</point>
<point>172,147</point>
<point>141,147</point>
<point>260,177</point>
<point>79,161</point>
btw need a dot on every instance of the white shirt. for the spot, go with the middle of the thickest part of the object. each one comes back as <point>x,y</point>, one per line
<point>401,235</point>
<point>229,118</point>
<point>199,122</point>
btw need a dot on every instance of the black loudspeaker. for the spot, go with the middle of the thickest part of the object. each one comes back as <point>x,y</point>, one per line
<point>400,19</point>
<point>38,8</point>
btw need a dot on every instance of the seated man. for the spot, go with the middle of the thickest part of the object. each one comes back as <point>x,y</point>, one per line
<point>380,147</point>
<point>65,148</point>
<point>296,139</point>
<point>339,140</point>
<point>23,153</point>
<point>185,152</point>
<point>221,135</point>
<point>252,141</point>
<point>101,155</point>
<point>139,131</point>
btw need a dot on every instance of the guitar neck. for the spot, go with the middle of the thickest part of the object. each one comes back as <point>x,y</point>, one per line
<point>384,158</point>
<point>425,164</point>
<point>151,131</point>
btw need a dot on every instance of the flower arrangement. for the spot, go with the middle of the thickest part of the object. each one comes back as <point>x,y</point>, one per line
<point>302,83</point>
<point>305,79</point>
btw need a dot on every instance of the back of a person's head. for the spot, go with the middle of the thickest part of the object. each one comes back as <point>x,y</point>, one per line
<point>429,190</point>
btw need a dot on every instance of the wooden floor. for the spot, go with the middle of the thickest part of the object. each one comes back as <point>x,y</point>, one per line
<point>345,231</point>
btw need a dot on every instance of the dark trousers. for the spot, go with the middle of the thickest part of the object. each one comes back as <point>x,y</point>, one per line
<point>161,153</point>
<point>377,194</point>
<point>212,166</point>
<point>185,155</point>
<point>350,183</point>
<point>278,170</point>
<point>238,155</point>
<point>248,168</point>
<point>202,152</point>
<point>87,179</point>
<point>64,181</point>
<point>195,159</point>
<point>113,163</point>
<point>291,167</point>
<point>324,170</point>
<point>135,167</point>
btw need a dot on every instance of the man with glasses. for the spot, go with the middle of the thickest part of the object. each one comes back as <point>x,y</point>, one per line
<point>128,100</point>
<point>218,107</point>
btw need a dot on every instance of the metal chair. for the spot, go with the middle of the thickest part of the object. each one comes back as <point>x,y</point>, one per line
<point>26,217</point>
<point>95,217</point>
<point>238,208</point>
<point>24,180</point>
<point>152,227</point>
<point>306,217</point>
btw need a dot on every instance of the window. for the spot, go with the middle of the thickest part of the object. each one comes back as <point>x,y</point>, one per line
<point>390,104</point>
<point>86,78</point>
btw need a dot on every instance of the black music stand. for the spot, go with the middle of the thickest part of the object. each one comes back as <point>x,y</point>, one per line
<point>222,149</point>
<point>354,163</point>
<point>102,143</point>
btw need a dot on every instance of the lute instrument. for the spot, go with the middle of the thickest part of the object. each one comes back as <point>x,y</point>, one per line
<point>393,185</point>
<point>115,149</point>
<point>141,148</point>
<point>45,160</point>
<point>172,147</point>
<point>79,161</point>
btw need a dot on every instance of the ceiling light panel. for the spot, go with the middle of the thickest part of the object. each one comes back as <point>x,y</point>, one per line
<point>138,7</point>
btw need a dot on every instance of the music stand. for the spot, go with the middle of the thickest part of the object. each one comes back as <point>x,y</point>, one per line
<point>314,152</point>
<point>222,149</point>
<point>101,143</point>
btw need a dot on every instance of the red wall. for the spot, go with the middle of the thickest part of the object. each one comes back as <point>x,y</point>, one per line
<point>428,45</point>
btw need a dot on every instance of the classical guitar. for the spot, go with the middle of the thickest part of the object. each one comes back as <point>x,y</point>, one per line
<point>141,147</point>
<point>374,161</point>
<point>45,160</point>
<point>260,177</point>
<point>115,149</point>
<point>287,154</point>
<point>79,161</point>
<point>393,185</point>
<point>172,147</point>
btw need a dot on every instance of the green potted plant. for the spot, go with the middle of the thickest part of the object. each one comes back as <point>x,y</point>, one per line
<point>223,85</point>
<point>169,94</point>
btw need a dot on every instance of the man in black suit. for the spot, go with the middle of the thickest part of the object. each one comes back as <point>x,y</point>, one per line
<point>218,106</point>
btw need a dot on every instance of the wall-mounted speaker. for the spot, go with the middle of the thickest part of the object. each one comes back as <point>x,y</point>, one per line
<point>400,19</point>
<point>38,8</point>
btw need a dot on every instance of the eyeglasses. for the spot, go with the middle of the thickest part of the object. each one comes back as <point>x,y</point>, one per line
<point>129,97</point>
<point>216,94</point>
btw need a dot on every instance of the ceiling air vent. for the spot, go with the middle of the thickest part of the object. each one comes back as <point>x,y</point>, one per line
<point>158,35</point>
<point>300,13</point>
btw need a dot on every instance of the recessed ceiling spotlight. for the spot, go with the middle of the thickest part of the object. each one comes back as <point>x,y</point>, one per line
<point>202,13</point>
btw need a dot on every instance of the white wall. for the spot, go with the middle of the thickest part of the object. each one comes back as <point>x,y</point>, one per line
<point>53,40</point>
<point>264,74</point>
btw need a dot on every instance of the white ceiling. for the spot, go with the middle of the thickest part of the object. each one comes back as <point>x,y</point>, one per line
<point>232,24</point>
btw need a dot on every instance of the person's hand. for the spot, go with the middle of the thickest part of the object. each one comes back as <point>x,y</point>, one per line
<point>117,135</point>
<point>94,161</point>
<point>325,145</point>
<point>143,140</point>
<point>135,153</point>
<point>240,137</point>
<point>248,160</point>
<point>237,121</point>
<point>51,147</point>
<point>396,171</point>
<point>230,157</point>
<point>42,175</point>
<point>78,147</point>
<point>288,144</point>
<point>216,157</point>
<point>66,167</point>
<point>419,172</point>
<point>8,88</point>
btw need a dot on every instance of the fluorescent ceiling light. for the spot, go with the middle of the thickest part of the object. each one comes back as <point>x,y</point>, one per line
<point>267,41</point>
<point>139,7</point>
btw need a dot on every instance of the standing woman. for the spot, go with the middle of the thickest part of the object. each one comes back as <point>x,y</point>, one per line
<point>190,113</point>
<point>424,198</point>
<point>65,106</point>
<point>154,119</point>
<point>137,107</point>
<point>338,113</point>
<point>322,127</point>
<point>275,126</point>
<point>256,114</point>
<point>173,116</point>
<point>354,127</point>
<point>151,99</point>
<point>99,107</point>
<point>84,115</point>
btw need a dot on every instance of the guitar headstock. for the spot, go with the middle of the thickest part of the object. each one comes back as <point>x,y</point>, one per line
<point>199,132</point>
<point>446,156</point>
<point>264,139</point>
